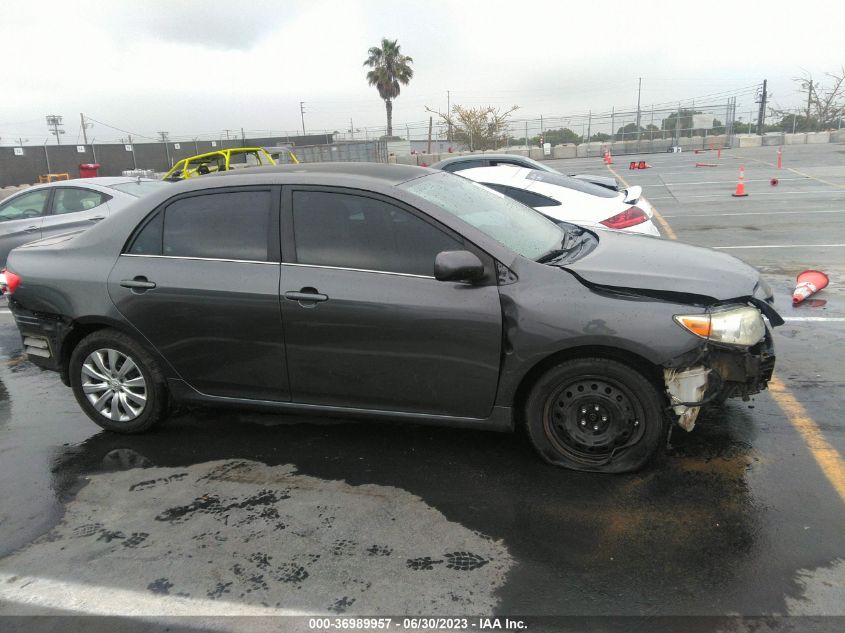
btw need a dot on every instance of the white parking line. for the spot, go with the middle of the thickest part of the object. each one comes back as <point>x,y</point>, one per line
<point>756,193</point>
<point>718,215</point>
<point>717,182</point>
<point>815,319</point>
<point>722,248</point>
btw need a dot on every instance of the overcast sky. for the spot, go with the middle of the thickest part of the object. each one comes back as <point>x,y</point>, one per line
<point>195,68</point>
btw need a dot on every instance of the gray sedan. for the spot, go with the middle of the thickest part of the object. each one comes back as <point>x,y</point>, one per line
<point>392,293</point>
<point>63,206</point>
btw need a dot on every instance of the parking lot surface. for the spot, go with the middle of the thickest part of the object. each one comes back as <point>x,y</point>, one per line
<point>222,512</point>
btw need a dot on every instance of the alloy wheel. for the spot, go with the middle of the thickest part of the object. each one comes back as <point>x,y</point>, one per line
<point>114,385</point>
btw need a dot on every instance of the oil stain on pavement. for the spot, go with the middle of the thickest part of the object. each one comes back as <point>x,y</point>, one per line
<point>249,534</point>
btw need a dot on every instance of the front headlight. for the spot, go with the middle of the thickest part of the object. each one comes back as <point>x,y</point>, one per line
<point>733,325</point>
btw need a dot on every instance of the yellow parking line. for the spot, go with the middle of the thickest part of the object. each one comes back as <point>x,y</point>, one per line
<point>664,225</point>
<point>826,456</point>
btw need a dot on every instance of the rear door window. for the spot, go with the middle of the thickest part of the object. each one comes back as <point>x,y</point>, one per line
<point>233,225</point>
<point>74,199</point>
<point>571,183</point>
<point>464,164</point>
<point>528,198</point>
<point>351,231</point>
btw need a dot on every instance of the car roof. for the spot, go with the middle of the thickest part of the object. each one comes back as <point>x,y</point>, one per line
<point>459,159</point>
<point>386,174</point>
<point>97,181</point>
<point>496,174</point>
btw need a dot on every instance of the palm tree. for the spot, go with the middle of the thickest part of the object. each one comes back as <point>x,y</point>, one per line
<point>389,69</point>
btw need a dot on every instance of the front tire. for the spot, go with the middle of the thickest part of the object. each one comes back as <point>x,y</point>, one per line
<point>117,383</point>
<point>595,414</point>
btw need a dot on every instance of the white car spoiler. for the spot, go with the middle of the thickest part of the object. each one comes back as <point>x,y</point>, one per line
<point>632,194</point>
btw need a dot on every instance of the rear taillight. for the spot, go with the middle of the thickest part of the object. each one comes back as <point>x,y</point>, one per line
<point>9,281</point>
<point>629,217</point>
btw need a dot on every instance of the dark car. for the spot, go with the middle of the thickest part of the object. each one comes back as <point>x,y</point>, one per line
<point>459,163</point>
<point>393,293</point>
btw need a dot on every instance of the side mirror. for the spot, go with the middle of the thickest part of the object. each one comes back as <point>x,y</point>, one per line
<point>457,266</point>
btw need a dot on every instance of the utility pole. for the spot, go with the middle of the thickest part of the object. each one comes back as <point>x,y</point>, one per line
<point>430,122</point>
<point>351,128</point>
<point>243,138</point>
<point>809,103</point>
<point>85,127</point>
<point>54,121</point>
<point>165,137</point>
<point>302,115</point>
<point>449,113</point>
<point>761,114</point>
<point>639,94</point>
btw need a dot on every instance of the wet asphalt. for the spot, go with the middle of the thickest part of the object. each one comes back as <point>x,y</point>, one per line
<point>221,511</point>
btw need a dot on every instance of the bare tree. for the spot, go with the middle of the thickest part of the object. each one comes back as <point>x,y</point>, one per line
<point>484,127</point>
<point>824,103</point>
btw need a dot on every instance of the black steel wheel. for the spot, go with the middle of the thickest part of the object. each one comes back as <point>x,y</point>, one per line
<point>595,414</point>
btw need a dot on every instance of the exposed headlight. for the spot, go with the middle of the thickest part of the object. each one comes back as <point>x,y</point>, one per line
<point>733,325</point>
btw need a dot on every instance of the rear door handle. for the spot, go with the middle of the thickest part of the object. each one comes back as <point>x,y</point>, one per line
<point>97,218</point>
<point>138,282</point>
<point>306,297</point>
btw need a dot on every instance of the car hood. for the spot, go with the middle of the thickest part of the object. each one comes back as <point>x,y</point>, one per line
<point>625,261</point>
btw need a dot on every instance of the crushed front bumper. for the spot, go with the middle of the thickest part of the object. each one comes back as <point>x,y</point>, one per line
<point>716,373</point>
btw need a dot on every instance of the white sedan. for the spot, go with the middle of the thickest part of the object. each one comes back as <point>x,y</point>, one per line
<point>566,199</point>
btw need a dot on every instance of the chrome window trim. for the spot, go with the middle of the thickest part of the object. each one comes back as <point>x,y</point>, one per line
<point>201,259</point>
<point>359,270</point>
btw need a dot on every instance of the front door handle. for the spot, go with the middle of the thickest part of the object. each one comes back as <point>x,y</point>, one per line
<point>306,297</point>
<point>97,218</point>
<point>31,229</point>
<point>138,283</point>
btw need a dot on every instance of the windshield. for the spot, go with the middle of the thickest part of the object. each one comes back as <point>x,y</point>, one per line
<point>571,183</point>
<point>507,221</point>
<point>140,188</point>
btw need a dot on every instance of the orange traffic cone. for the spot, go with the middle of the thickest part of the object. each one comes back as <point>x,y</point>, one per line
<point>643,165</point>
<point>809,283</point>
<point>609,157</point>
<point>740,185</point>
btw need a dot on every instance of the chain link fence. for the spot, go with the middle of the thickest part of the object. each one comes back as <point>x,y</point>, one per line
<point>628,131</point>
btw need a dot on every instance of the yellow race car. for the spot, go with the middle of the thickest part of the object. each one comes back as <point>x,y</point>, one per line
<point>222,160</point>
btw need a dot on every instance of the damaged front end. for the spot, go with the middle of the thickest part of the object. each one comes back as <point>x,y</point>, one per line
<point>735,358</point>
<point>720,370</point>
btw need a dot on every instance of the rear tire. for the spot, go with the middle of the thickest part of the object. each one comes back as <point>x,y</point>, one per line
<point>118,383</point>
<point>595,414</point>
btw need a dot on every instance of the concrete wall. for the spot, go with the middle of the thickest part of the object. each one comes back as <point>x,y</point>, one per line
<point>818,137</point>
<point>748,140</point>
<point>564,151</point>
<point>114,158</point>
